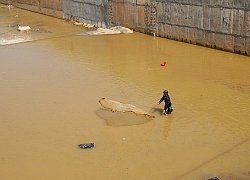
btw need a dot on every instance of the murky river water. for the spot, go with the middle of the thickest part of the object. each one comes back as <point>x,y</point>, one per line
<point>51,83</point>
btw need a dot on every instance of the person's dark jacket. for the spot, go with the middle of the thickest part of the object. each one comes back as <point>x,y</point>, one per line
<point>166,99</point>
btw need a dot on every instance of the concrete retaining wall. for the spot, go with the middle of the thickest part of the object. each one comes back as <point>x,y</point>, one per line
<point>220,24</point>
<point>215,23</point>
<point>88,11</point>
<point>48,7</point>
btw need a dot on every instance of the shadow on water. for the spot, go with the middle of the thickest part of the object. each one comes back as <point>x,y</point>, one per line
<point>156,110</point>
<point>121,119</point>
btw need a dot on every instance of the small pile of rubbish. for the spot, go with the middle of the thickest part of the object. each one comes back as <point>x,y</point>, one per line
<point>107,31</point>
<point>89,26</point>
<point>103,31</point>
<point>123,30</point>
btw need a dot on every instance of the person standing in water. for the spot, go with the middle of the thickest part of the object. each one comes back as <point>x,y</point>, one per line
<point>168,108</point>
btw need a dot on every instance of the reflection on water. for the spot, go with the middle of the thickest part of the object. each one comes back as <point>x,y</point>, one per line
<point>49,95</point>
<point>121,119</point>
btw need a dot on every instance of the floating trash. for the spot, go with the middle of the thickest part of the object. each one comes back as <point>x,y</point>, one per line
<point>163,64</point>
<point>86,145</point>
<point>23,28</point>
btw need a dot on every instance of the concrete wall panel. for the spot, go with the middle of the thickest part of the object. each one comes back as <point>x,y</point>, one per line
<point>199,35</point>
<point>227,3</point>
<point>51,5</point>
<point>168,10</point>
<point>247,23</point>
<point>182,14</point>
<point>214,3</point>
<point>212,19</point>
<point>222,24</point>
<point>238,21</point>
<point>226,21</point>
<point>219,41</point>
<point>161,12</point>
<point>239,44</point>
<point>167,30</point>
<point>229,43</point>
<point>241,4</point>
<point>143,2</point>
<point>248,45</point>
<point>191,35</point>
<point>160,31</point>
<point>118,10</point>
<point>247,5</point>
<point>174,14</point>
<point>206,17</point>
<point>199,17</point>
<point>130,18</point>
<point>218,19</point>
<point>140,16</point>
<point>183,34</point>
<point>193,21</point>
<point>209,39</point>
<point>197,2</point>
<point>175,30</point>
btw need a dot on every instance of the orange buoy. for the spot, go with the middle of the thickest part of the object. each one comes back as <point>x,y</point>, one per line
<point>163,64</point>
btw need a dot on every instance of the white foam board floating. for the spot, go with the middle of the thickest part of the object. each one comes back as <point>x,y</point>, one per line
<point>23,28</point>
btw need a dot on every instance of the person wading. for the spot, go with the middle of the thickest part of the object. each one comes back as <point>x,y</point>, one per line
<point>168,108</point>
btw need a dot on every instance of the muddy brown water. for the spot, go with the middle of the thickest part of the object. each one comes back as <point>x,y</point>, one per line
<point>51,81</point>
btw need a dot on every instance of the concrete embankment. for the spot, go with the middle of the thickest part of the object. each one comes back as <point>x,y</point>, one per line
<point>223,25</point>
<point>48,7</point>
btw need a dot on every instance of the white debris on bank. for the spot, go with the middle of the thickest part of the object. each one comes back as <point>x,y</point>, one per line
<point>78,23</point>
<point>94,30</point>
<point>108,31</point>
<point>103,31</point>
<point>122,29</point>
<point>84,25</point>
<point>23,28</point>
<point>7,6</point>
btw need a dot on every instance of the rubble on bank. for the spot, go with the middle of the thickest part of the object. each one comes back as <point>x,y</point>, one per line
<point>108,31</point>
<point>94,30</point>
<point>123,30</point>
<point>85,25</point>
<point>102,31</point>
